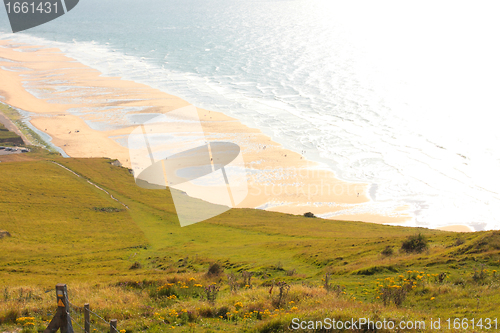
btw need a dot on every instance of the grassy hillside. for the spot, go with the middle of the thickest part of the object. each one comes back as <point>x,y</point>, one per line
<point>138,265</point>
<point>9,138</point>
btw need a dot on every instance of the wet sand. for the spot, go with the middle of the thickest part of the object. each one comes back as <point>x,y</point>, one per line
<point>87,115</point>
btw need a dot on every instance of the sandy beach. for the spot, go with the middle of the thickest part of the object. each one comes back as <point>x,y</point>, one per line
<point>456,228</point>
<point>86,113</point>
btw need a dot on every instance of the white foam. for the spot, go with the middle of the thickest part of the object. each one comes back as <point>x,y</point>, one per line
<point>399,116</point>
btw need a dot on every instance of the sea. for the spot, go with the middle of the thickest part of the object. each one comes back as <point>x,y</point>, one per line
<point>403,96</point>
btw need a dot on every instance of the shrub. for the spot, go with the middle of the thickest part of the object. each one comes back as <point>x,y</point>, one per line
<point>415,244</point>
<point>388,251</point>
<point>223,311</point>
<point>136,265</point>
<point>215,269</point>
<point>207,312</point>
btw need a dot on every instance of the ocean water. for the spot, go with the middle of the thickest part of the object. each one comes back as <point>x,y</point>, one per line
<point>402,96</point>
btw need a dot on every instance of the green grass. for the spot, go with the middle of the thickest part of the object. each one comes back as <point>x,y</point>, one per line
<point>65,230</point>
<point>31,135</point>
<point>8,138</point>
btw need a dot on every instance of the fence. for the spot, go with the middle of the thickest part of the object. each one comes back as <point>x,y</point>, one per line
<point>67,314</point>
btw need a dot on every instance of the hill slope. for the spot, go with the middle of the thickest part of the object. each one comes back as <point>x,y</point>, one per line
<point>65,229</point>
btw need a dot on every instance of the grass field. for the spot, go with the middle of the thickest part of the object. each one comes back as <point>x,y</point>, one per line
<point>139,266</point>
<point>8,138</point>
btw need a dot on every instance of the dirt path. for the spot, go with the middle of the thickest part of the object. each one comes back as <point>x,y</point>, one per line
<point>13,128</point>
<point>88,181</point>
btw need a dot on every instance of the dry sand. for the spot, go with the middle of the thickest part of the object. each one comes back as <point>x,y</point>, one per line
<point>283,180</point>
<point>456,228</point>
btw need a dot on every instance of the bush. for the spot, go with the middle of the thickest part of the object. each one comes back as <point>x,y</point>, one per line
<point>136,265</point>
<point>459,241</point>
<point>215,269</point>
<point>223,311</point>
<point>207,312</point>
<point>415,244</point>
<point>388,251</point>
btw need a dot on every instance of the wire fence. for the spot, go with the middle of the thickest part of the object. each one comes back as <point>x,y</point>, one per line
<point>80,318</point>
<point>96,323</point>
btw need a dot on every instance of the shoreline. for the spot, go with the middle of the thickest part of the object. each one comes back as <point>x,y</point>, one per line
<point>76,113</point>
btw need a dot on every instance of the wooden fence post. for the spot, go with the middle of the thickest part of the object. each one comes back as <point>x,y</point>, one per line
<point>61,319</point>
<point>112,326</point>
<point>86,309</point>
